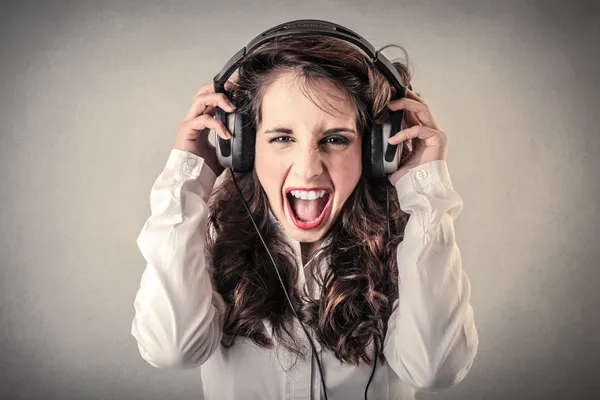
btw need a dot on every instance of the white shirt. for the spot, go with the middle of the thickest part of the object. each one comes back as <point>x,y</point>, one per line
<point>431,339</point>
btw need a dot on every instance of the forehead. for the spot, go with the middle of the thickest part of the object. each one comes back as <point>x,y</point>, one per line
<point>290,99</point>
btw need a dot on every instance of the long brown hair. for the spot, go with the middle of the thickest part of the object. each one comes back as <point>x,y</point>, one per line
<point>360,282</point>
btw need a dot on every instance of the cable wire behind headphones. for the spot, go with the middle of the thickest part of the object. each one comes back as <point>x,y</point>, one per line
<point>314,351</point>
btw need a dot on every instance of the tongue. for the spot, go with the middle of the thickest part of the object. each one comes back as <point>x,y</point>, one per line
<point>308,210</point>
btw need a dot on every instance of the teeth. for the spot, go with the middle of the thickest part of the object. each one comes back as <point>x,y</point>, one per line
<point>308,195</point>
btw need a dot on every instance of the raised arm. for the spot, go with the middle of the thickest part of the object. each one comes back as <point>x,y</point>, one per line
<point>431,340</point>
<point>178,317</point>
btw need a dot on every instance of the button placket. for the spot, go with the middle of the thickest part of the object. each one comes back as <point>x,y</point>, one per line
<point>301,372</point>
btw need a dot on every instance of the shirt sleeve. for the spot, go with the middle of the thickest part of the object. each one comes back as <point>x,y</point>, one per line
<point>178,317</point>
<point>431,340</point>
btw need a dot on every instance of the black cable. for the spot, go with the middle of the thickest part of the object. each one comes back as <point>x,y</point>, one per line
<point>387,212</point>
<point>282,285</point>
<point>387,203</point>
<point>373,371</point>
<point>387,217</point>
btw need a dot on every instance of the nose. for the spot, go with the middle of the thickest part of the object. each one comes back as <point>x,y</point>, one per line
<point>308,164</point>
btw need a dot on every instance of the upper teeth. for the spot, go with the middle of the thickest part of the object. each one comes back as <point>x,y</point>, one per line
<point>308,195</point>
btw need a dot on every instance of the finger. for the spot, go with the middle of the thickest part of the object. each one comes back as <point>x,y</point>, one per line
<point>412,95</point>
<point>231,82</point>
<point>417,131</point>
<point>210,88</point>
<point>421,110</point>
<point>411,119</point>
<point>201,103</point>
<point>205,121</point>
<point>205,89</point>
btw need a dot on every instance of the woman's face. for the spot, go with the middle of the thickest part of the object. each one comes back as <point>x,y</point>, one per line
<point>307,160</point>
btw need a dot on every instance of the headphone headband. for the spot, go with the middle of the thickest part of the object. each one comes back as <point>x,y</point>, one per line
<point>311,27</point>
<point>237,153</point>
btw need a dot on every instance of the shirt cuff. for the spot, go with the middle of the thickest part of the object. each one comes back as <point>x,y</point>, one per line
<point>190,166</point>
<point>420,177</point>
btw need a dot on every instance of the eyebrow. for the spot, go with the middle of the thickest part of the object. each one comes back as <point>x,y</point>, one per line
<point>327,132</point>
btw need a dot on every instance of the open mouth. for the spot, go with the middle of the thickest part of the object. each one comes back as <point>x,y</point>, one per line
<point>308,208</point>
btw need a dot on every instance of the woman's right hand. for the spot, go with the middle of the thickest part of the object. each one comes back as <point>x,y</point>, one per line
<point>192,134</point>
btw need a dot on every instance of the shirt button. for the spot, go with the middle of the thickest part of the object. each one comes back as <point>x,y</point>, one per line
<point>191,162</point>
<point>421,174</point>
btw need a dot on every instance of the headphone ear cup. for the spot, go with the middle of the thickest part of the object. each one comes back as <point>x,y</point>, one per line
<point>391,152</point>
<point>373,152</point>
<point>380,157</point>
<point>244,138</point>
<point>222,146</point>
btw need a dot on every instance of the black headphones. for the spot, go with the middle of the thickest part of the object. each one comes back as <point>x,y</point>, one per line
<point>238,152</point>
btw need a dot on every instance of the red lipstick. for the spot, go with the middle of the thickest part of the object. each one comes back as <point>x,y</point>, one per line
<point>307,225</point>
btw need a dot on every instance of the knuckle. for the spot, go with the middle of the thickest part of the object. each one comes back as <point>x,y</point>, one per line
<point>185,128</point>
<point>197,101</point>
<point>210,99</point>
<point>443,136</point>
<point>204,89</point>
<point>205,118</point>
<point>203,98</point>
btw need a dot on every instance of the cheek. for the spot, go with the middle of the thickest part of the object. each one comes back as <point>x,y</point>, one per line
<point>270,170</point>
<point>265,159</point>
<point>346,171</point>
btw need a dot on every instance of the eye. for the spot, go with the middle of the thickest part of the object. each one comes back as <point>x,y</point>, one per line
<point>281,139</point>
<point>336,140</point>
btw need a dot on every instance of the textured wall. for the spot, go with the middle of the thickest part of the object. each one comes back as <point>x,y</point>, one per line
<point>91,94</point>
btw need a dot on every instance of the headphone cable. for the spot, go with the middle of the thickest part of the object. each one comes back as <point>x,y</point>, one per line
<point>375,344</point>
<point>282,285</point>
<point>314,351</point>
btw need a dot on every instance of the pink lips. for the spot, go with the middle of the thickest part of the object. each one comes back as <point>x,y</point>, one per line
<point>306,225</point>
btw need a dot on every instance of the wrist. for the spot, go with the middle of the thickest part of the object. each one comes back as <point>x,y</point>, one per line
<point>187,147</point>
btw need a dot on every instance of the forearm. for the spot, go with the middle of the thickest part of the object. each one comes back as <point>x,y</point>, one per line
<point>178,317</point>
<point>431,339</point>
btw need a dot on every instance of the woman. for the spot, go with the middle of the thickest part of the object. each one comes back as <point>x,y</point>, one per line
<point>397,305</point>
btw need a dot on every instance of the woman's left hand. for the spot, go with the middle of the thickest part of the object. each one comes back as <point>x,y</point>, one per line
<point>430,143</point>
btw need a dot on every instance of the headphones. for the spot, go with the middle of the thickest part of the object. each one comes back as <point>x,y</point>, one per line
<point>379,157</point>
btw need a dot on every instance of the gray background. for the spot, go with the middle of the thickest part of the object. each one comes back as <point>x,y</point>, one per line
<point>91,94</point>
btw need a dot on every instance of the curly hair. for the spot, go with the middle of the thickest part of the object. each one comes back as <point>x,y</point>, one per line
<point>360,282</point>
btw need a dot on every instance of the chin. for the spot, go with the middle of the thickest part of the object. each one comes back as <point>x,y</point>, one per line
<point>303,236</point>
